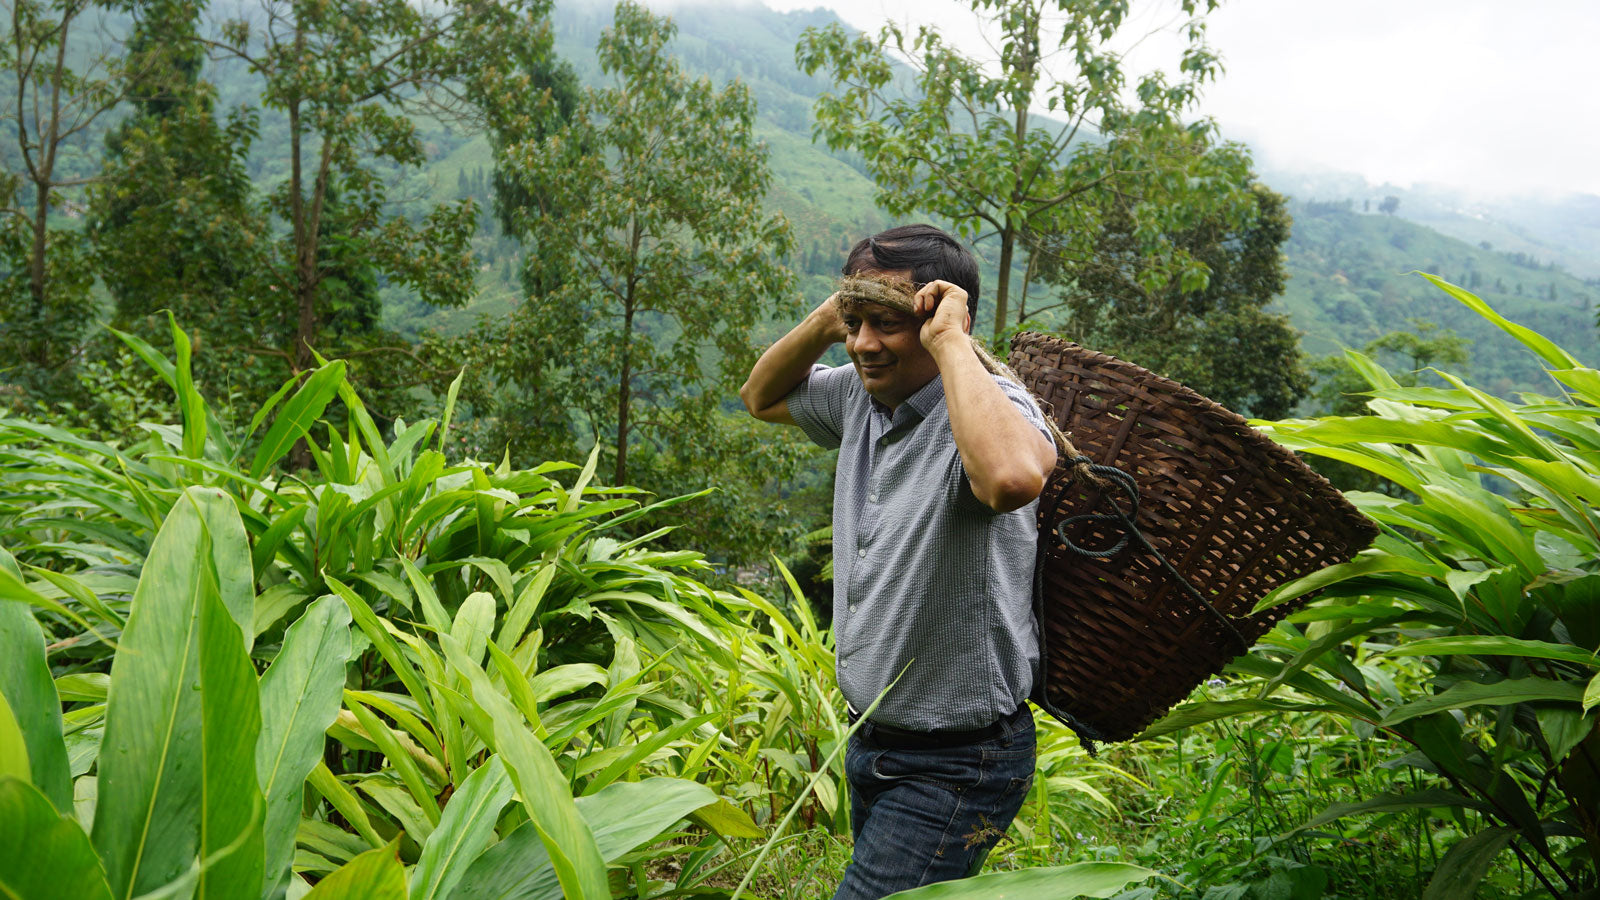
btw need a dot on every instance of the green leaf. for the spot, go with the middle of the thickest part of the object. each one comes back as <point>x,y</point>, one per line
<point>1087,879</point>
<point>177,774</point>
<point>343,800</point>
<point>1495,645</point>
<point>190,403</point>
<point>1191,714</point>
<point>47,856</point>
<point>728,821</point>
<point>1591,695</point>
<point>298,415</point>
<point>545,795</point>
<point>465,830</point>
<point>26,687</point>
<point>372,627</point>
<point>1367,563</point>
<point>374,875</point>
<point>1538,343</point>
<point>1432,798</point>
<point>1465,865</point>
<point>13,746</point>
<point>1500,693</point>
<point>624,816</point>
<point>300,695</point>
<point>449,407</point>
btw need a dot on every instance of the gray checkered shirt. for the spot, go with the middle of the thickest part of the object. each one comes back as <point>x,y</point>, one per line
<point>923,573</point>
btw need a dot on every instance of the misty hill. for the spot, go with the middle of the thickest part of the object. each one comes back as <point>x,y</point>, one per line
<point>1349,281</point>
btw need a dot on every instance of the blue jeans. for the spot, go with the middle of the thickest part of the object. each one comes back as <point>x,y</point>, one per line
<point>921,816</point>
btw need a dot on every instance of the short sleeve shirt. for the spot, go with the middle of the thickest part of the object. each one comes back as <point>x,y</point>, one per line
<point>927,579</point>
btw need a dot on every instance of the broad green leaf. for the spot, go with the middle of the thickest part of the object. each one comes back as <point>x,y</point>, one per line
<point>190,404</point>
<point>575,498</point>
<point>177,763</point>
<point>300,695</point>
<point>1461,870</point>
<point>728,821</point>
<point>374,875</point>
<point>473,623</point>
<point>32,696</point>
<point>624,816</point>
<point>464,831</point>
<point>372,627</point>
<point>344,800</point>
<point>642,750</point>
<point>230,703</point>
<point>1087,879</point>
<point>13,746</point>
<point>545,795</point>
<point>1538,343</point>
<point>298,415</point>
<point>1191,714</point>
<point>527,605</point>
<point>1367,563</point>
<point>1591,695</point>
<point>1495,645</point>
<point>1467,694</point>
<point>399,758</point>
<point>47,856</point>
<point>449,407</point>
<point>1431,798</point>
<point>1584,380</point>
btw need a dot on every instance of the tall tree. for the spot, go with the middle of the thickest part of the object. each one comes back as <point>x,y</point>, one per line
<point>173,219</point>
<point>348,77</point>
<point>651,261</point>
<point>1218,339</point>
<point>64,76</point>
<point>961,138</point>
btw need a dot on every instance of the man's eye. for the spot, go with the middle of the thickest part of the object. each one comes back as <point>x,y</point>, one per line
<point>852,324</point>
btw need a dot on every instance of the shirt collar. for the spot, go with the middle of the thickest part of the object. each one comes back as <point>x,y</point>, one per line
<point>918,405</point>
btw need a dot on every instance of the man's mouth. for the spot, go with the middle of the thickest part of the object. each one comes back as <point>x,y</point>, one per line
<point>875,368</point>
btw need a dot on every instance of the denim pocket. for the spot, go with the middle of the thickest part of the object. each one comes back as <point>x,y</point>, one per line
<point>950,768</point>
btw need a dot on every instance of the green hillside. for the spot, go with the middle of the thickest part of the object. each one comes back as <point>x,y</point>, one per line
<point>1350,282</point>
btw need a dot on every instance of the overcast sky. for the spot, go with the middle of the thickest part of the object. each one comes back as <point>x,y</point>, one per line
<point>1487,95</point>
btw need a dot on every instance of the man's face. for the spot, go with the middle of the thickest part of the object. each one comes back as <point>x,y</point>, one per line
<point>886,346</point>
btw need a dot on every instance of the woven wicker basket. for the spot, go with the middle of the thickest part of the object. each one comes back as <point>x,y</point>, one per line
<point>1234,512</point>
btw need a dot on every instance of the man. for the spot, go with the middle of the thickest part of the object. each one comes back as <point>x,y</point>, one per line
<point>940,469</point>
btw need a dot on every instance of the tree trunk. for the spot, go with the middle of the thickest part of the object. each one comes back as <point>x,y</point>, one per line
<point>1008,240</point>
<point>624,392</point>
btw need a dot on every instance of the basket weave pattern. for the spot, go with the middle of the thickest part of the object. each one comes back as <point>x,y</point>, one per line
<point>1237,514</point>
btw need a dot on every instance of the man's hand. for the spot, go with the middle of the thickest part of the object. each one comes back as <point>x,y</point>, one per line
<point>828,322</point>
<point>943,307</point>
<point>788,362</point>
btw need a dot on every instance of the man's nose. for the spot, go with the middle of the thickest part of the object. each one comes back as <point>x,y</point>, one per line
<point>867,340</point>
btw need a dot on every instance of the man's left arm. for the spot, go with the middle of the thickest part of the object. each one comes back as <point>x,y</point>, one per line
<point>1007,459</point>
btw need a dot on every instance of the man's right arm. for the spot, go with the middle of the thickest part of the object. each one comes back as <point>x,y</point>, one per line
<point>788,362</point>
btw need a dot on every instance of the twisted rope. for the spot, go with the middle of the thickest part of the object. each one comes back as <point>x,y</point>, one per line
<point>899,294</point>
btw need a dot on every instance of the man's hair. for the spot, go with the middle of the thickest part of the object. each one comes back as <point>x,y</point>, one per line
<point>930,254</point>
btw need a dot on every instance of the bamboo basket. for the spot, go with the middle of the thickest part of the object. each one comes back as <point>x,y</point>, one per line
<point>1236,514</point>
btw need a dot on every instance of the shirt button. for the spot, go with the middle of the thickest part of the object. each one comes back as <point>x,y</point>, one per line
<point>844,665</point>
<point>862,552</point>
<point>873,497</point>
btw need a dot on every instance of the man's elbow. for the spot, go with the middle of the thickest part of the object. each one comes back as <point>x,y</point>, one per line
<point>747,396</point>
<point>1012,491</point>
